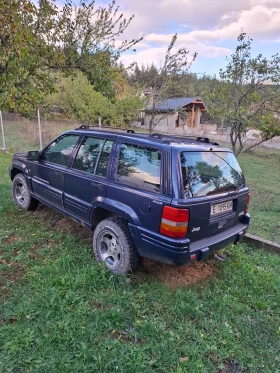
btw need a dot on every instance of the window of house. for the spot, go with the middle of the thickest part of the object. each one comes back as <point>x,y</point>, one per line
<point>60,150</point>
<point>93,156</point>
<point>139,166</point>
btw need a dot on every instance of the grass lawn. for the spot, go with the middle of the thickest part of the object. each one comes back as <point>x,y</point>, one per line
<point>62,312</point>
<point>262,172</point>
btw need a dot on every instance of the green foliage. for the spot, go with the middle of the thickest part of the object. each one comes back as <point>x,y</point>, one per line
<point>36,39</point>
<point>24,50</point>
<point>269,125</point>
<point>180,84</point>
<point>126,109</point>
<point>144,77</point>
<point>245,94</point>
<point>77,98</point>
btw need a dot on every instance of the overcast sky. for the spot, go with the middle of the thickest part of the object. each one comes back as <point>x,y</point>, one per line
<point>209,27</point>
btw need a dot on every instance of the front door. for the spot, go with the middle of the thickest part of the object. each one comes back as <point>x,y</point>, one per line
<point>48,173</point>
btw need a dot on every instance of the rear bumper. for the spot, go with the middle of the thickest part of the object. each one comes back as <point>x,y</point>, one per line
<point>179,251</point>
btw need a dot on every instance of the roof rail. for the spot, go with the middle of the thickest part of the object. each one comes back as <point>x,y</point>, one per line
<point>157,135</point>
<point>178,137</point>
<point>89,126</point>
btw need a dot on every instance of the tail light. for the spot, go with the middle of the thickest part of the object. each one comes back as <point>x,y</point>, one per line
<point>174,222</point>
<point>247,204</point>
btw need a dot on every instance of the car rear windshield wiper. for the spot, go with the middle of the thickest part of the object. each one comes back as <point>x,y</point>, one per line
<point>224,189</point>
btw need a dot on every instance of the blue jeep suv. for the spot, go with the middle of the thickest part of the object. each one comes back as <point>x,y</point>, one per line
<point>170,198</point>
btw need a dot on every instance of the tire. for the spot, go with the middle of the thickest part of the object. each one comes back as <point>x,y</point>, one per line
<point>112,236</point>
<point>21,194</point>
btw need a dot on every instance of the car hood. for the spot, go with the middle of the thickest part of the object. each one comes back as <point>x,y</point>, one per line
<point>20,155</point>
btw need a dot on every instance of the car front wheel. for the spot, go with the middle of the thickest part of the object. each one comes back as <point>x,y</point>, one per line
<point>21,194</point>
<point>113,244</point>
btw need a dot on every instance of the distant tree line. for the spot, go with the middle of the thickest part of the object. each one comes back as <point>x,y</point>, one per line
<point>183,84</point>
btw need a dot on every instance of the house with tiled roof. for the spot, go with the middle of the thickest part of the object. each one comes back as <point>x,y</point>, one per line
<point>182,113</point>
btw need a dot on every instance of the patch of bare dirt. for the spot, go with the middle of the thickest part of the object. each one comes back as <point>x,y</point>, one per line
<point>13,320</point>
<point>176,277</point>
<point>126,337</point>
<point>231,367</point>
<point>3,290</point>
<point>8,240</point>
<point>60,223</point>
<point>13,270</point>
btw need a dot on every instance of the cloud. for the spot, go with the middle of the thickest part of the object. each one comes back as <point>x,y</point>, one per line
<point>156,55</point>
<point>205,26</point>
<point>260,22</point>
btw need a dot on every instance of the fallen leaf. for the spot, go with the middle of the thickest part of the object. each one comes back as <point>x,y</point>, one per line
<point>183,359</point>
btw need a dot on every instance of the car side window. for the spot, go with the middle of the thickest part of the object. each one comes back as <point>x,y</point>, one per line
<point>103,162</point>
<point>88,154</point>
<point>60,150</point>
<point>139,166</point>
<point>93,156</point>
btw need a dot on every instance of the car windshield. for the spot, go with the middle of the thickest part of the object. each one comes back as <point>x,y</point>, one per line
<point>207,173</point>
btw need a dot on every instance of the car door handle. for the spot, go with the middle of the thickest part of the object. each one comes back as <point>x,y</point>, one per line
<point>96,185</point>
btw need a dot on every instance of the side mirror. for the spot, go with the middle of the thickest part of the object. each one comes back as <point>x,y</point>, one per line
<point>33,155</point>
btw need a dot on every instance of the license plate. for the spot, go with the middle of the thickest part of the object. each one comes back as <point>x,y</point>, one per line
<point>219,208</point>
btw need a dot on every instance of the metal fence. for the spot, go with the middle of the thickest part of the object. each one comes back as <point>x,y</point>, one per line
<point>20,134</point>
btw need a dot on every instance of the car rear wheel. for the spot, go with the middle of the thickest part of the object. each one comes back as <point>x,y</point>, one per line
<point>21,194</point>
<point>113,244</point>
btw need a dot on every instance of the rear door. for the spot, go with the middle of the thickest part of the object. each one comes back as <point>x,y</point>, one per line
<point>214,190</point>
<point>138,183</point>
<point>86,181</point>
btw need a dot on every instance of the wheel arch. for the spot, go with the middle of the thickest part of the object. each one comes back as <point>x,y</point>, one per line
<point>15,171</point>
<point>111,208</point>
<point>17,168</point>
<point>100,213</point>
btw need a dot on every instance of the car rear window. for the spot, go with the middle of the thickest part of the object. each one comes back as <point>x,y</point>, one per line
<point>208,173</point>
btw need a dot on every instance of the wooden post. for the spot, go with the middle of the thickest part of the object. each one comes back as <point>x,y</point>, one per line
<point>192,116</point>
<point>227,135</point>
<point>2,129</point>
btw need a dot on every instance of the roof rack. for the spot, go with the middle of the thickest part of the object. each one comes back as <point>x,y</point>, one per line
<point>178,137</point>
<point>89,126</point>
<point>157,136</point>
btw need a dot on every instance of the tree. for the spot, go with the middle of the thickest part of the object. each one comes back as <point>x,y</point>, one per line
<point>174,63</point>
<point>247,94</point>
<point>37,38</point>
<point>79,101</point>
<point>145,76</point>
<point>126,109</point>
